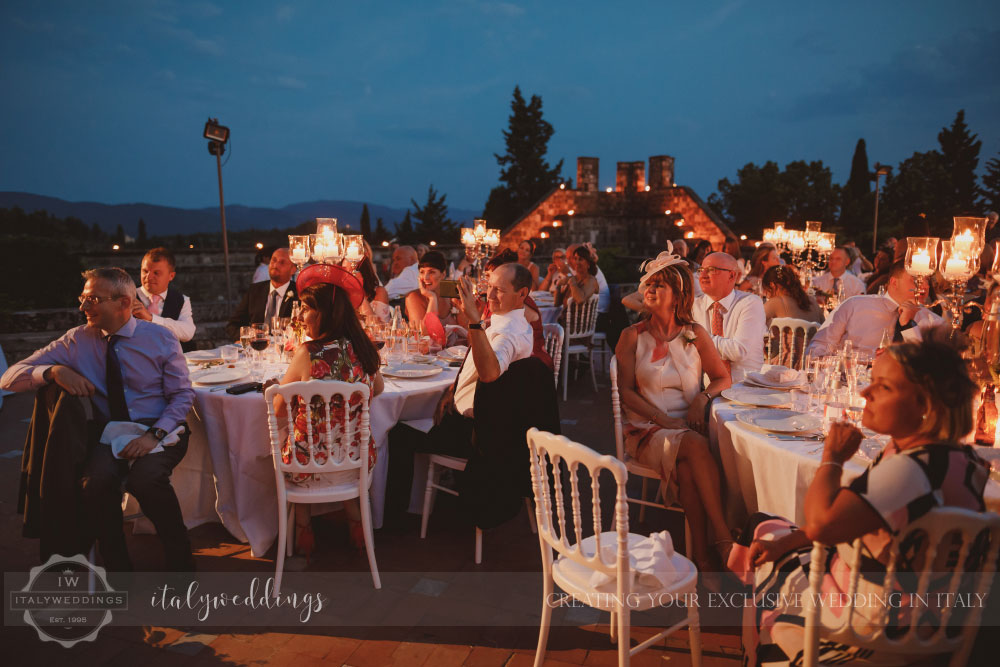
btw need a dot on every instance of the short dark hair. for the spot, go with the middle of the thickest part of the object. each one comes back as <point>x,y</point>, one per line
<point>435,260</point>
<point>898,269</point>
<point>505,256</point>
<point>162,254</point>
<point>521,278</point>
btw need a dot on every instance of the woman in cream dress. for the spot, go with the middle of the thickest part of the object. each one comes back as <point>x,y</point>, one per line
<point>660,366</point>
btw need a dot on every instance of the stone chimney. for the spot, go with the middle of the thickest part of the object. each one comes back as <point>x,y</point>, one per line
<point>661,172</point>
<point>631,177</point>
<point>587,172</point>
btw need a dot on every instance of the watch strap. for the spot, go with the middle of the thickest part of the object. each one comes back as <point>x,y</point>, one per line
<point>476,325</point>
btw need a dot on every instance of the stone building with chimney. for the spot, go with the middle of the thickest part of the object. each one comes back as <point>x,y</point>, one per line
<point>637,215</point>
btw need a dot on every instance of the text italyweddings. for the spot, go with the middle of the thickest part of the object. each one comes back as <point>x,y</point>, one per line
<point>168,598</point>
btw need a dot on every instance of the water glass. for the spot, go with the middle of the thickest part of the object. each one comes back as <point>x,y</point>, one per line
<point>230,354</point>
<point>800,400</point>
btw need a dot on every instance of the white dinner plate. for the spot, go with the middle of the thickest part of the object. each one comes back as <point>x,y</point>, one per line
<point>780,421</point>
<point>411,370</point>
<point>456,353</point>
<point>197,356</point>
<point>219,374</point>
<point>423,359</point>
<point>756,396</point>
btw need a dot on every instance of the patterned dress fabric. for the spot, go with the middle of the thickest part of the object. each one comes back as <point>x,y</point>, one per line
<point>331,361</point>
<point>901,486</point>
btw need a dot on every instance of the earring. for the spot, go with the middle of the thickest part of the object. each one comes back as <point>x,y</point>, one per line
<point>923,417</point>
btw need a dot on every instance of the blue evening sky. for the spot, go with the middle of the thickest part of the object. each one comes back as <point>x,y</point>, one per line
<point>374,101</point>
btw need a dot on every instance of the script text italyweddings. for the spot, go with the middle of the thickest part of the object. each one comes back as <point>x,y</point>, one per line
<point>166,598</point>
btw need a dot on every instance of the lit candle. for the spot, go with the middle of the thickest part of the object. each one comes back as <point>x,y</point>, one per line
<point>493,237</point>
<point>964,241</point>
<point>920,263</point>
<point>798,243</point>
<point>480,230</point>
<point>825,245</point>
<point>298,255</point>
<point>353,252</point>
<point>956,267</point>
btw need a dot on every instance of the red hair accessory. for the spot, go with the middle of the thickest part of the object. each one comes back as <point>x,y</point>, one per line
<point>318,274</point>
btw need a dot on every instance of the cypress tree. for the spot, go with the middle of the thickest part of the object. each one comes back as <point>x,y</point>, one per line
<point>857,204</point>
<point>960,158</point>
<point>366,223</point>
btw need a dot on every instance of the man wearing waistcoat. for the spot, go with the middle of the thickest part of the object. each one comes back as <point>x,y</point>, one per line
<point>157,302</point>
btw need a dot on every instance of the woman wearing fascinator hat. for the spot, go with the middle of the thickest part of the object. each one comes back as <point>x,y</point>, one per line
<point>339,350</point>
<point>660,364</point>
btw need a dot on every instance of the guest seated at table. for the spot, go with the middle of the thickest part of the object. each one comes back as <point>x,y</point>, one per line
<point>660,364</point>
<point>582,284</point>
<point>376,302</point>
<point>557,268</point>
<point>525,250</point>
<point>785,296</point>
<point>879,276</point>
<point>732,247</point>
<point>531,312</point>
<point>157,302</point>
<point>700,249</point>
<point>466,267</point>
<point>922,397</point>
<point>764,257</point>
<point>339,350</point>
<point>735,319</point>
<point>405,274</point>
<point>427,297</point>
<point>265,300</point>
<point>866,318</point>
<point>132,371</point>
<point>837,280</point>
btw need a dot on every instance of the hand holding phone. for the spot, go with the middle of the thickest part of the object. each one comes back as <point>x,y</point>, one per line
<point>448,289</point>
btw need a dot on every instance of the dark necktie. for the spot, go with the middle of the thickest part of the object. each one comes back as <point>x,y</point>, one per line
<point>836,286</point>
<point>117,408</point>
<point>272,306</point>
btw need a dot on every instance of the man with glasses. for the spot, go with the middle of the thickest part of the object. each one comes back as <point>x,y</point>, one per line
<point>132,371</point>
<point>735,319</point>
<point>837,280</point>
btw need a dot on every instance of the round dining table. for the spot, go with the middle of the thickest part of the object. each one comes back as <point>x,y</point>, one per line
<point>228,473</point>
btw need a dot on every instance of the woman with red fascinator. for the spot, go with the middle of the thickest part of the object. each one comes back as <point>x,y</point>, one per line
<point>339,350</point>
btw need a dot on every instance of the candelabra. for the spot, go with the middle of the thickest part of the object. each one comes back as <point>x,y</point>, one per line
<point>921,261</point>
<point>480,243</point>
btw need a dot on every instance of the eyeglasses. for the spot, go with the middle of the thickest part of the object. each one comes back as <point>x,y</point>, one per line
<point>709,271</point>
<point>91,301</point>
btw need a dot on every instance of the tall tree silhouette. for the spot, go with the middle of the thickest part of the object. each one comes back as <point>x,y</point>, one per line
<point>381,233</point>
<point>433,223</point>
<point>991,186</point>
<point>856,200</point>
<point>366,223</point>
<point>404,230</point>
<point>960,157</point>
<point>525,174</point>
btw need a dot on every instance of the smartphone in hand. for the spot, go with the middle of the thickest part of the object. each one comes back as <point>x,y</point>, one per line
<point>448,289</point>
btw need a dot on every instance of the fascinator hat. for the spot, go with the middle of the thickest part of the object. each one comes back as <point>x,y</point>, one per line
<point>666,258</point>
<point>319,274</point>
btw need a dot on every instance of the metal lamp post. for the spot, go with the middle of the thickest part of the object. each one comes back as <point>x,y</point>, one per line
<point>217,136</point>
<point>880,170</point>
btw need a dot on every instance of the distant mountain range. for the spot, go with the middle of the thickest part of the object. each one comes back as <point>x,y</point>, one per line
<point>164,220</point>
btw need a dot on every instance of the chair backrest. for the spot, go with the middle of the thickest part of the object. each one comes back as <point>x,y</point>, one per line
<point>341,409</point>
<point>553,334</point>
<point>581,319</point>
<point>948,550</point>
<point>616,410</point>
<point>551,455</point>
<point>793,336</point>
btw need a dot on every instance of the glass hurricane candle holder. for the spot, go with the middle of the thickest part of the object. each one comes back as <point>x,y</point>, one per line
<point>354,250</point>
<point>921,259</point>
<point>326,227</point>
<point>969,234</point>
<point>299,249</point>
<point>479,229</point>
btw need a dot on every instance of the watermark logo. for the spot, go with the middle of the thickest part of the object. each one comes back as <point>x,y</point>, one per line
<point>68,600</point>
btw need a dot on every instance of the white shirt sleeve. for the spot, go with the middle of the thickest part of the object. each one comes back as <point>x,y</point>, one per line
<point>404,283</point>
<point>829,335</point>
<point>747,339</point>
<point>183,327</point>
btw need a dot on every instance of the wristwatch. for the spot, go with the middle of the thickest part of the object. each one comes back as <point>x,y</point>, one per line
<point>707,395</point>
<point>157,433</point>
<point>476,325</point>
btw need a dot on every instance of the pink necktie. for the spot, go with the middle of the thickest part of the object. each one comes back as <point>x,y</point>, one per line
<point>155,304</point>
<point>717,326</point>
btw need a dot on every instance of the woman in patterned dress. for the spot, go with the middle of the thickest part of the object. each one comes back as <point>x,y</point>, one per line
<point>339,350</point>
<point>921,395</point>
<point>660,364</point>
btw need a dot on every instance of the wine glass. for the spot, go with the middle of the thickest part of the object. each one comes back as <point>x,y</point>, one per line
<point>260,342</point>
<point>246,335</point>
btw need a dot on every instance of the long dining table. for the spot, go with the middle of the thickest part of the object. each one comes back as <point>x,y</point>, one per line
<point>228,473</point>
<point>770,473</point>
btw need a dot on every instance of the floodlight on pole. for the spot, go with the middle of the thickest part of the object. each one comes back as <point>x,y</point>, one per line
<point>880,170</point>
<point>217,136</point>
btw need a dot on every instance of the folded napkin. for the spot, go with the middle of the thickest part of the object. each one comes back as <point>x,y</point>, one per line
<point>649,560</point>
<point>456,351</point>
<point>780,374</point>
<point>119,434</point>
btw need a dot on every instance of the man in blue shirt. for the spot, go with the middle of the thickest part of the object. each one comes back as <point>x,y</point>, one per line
<point>133,371</point>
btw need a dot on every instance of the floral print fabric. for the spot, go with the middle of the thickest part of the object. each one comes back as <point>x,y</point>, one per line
<point>330,361</point>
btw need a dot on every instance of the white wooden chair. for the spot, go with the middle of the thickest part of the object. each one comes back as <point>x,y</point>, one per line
<point>791,333</point>
<point>636,468</point>
<point>553,334</point>
<point>455,463</point>
<point>581,321</point>
<point>579,557</point>
<point>959,543</point>
<point>342,477</point>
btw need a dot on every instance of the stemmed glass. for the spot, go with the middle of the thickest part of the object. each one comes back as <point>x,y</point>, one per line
<point>246,335</point>
<point>259,343</point>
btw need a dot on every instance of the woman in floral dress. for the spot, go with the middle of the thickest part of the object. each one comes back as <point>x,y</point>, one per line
<point>339,350</point>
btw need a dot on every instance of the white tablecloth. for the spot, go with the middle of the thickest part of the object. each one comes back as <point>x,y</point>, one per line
<point>228,473</point>
<point>550,314</point>
<point>764,474</point>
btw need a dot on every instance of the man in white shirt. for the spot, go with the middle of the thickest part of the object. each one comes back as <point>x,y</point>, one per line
<point>735,319</point>
<point>837,276</point>
<point>405,271</point>
<point>157,302</point>
<point>866,319</point>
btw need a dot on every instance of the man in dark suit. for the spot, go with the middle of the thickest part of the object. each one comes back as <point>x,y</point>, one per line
<point>267,299</point>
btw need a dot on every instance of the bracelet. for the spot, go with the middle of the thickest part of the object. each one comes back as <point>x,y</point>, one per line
<point>832,463</point>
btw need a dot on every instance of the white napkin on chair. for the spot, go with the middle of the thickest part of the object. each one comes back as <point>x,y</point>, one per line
<point>780,374</point>
<point>119,434</point>
<point>649,560</point>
